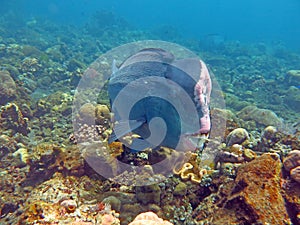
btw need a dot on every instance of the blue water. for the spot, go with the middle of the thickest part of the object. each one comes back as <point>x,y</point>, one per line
<point>246,21</point>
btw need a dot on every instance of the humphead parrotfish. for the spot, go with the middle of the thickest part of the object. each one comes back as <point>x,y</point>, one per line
<point>163,100</point>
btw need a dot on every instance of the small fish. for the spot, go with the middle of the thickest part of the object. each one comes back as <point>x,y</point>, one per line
<point>167,86</point>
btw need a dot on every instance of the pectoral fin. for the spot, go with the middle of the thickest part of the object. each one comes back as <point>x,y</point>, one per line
<point>114,67</point>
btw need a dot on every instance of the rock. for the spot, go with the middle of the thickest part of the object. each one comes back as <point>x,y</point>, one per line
<point>8,207</point>
<point>292,98</point>
<point>263,117</point>
<point>256,192</point>
<point>102,115</point>
<point>22,154</point>
<point>220,119</point>
<point>269,133</point>
<point>236,149</point>
<point>269,137</point>
<point>7,87</point>
<point>12,118</point>
<point>109,219</point>
<point>249,155</point>
<point>237,136</point>
<point>292,164</point>
<point>295,174</point>
<point>69,204</point>
<point>292,160</point>
<point>234,102</point>
<point>253,197</point>
<point>87,114</point>
<point>31,51</point>
<point>148,194</point>
<point>149,218</point>
<point>7,144</point>
<point>293,77</point>
<point>74,64</point>
<point>114,202</point>
<point>180,189</point>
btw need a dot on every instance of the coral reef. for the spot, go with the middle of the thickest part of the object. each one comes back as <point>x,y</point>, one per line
<point>238,178</point>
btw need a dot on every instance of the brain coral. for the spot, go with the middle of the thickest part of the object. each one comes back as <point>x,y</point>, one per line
<point>7,87</point>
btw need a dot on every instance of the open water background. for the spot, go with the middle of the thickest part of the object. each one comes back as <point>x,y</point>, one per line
<point>268,21</point>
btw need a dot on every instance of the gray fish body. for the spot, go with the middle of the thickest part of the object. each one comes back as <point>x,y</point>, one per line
<point>155,74</point>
